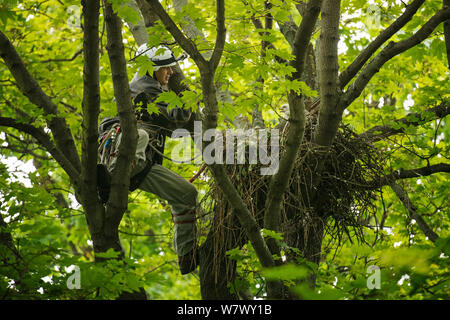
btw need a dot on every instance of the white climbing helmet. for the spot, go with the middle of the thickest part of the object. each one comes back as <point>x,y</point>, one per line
<point>161,56</point>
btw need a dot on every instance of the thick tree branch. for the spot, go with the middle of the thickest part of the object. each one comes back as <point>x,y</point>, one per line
<point>31,89</point>
<point>390,51</point>
<point>378,133</point>
<point>289,30</point>
<point>412,211</point>
<point>408,174</point>
<point>43,139</point>
<point>329,115</point>
<point>220,35</point>
<point>387,33</point>
<point>118,199</point>
<point>91,111</point>
<point>147,13</point>
<point>303,36</point>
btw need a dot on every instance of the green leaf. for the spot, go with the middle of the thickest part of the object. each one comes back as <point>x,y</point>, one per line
<point>128,13</point>
<point>171,99</point>
<point>286,272</point>
<point>326,293</point>
<point>110,254</point>
<point>414,259</point>
<point>144,65</point>
<point>280,14</point>
<point>444,245</point>
<point>272,234</point>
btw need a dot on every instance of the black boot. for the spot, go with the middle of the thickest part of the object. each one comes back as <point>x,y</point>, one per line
<point>103,183</point>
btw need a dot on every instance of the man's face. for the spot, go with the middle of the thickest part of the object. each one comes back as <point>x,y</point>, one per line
<point>163,74</point>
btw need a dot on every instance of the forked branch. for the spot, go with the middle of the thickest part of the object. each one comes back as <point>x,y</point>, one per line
<point>391,50</point>
<point>347,75</point>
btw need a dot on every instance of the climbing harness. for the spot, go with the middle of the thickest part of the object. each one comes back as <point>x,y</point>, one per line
<point>107,143</point>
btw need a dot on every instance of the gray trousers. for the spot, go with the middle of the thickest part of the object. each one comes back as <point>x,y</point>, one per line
<point>180,194</point>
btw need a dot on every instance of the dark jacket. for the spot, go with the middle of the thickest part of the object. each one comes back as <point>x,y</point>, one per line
<point>145,90</point>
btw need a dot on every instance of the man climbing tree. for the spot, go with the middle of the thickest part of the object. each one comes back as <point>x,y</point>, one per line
<point>147,173</point>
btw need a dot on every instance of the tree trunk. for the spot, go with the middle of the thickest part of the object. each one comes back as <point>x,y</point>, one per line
<point>106,238</point>
<point>216,271</point>
<point>307,236</point>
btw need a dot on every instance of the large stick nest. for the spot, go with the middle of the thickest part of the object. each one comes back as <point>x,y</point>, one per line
<point>343,203</point>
